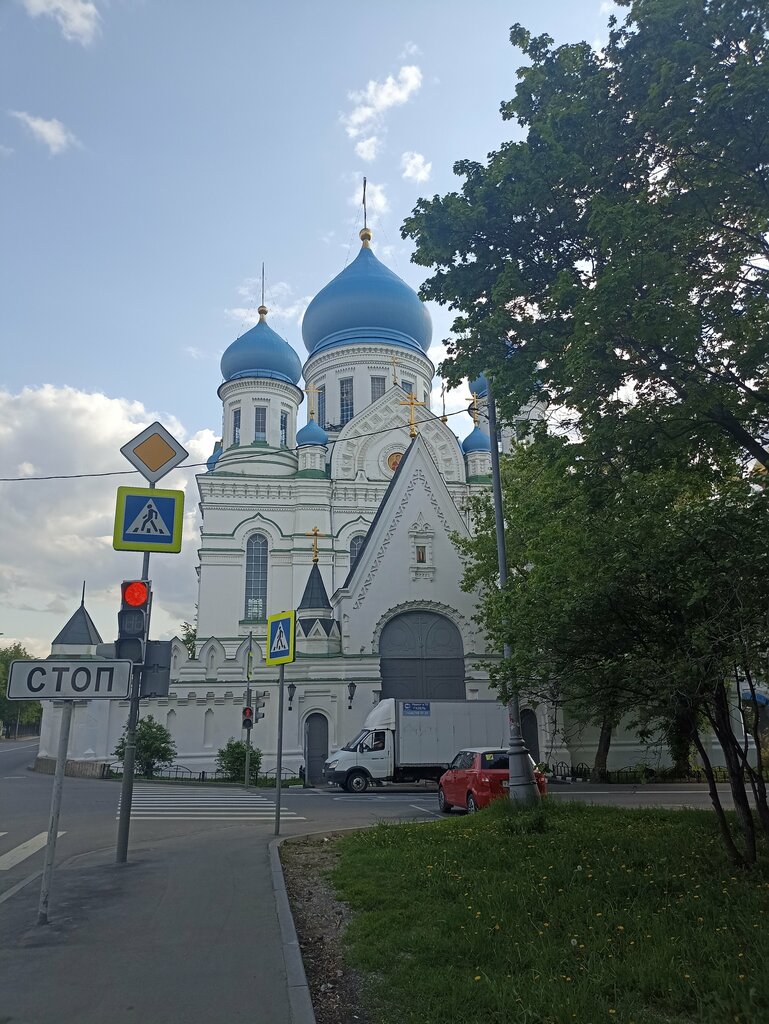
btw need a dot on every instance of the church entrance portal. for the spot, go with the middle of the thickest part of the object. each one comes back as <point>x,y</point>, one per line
<point>316,747</point>
<point>422,658</point>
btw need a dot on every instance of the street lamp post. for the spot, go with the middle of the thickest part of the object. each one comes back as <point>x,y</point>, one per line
<point>522,784</point>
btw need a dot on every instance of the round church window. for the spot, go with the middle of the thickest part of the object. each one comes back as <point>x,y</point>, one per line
<point>394,459</point>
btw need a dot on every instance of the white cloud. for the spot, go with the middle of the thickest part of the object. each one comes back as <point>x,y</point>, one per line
<point>415,167</point>
<point>608,7</point>
<point>77,19</point>
<point>52,134</point>
<point>6,150</point>
<point>57,533</point>
<point>376,200</point>
<point>410,49</point>
<point>367,149</point>
<point>378,97</point>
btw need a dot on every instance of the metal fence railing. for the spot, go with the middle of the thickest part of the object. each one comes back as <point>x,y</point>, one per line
<point>561,771</point>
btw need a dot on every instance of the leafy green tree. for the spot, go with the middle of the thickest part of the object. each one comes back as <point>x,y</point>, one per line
<point>11,711</point>
<point>637,594</point>
<point>189,636</point>
<point>231,760</point>
<point>154,746</point>
<point>613,256</point>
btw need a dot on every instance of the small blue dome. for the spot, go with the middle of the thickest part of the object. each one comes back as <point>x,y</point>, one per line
<point>479,386</point>
<point>311,433</point>
<point>261,352</point>
<point>476,442</point>
<point>213,458</point>
<point>367,302</point>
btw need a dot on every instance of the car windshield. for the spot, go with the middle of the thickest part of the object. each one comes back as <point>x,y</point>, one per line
<point>352,745</point>
<point>495,760</point>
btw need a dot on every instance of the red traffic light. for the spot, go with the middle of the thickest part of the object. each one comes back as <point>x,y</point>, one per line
<point>135,593</point>
<point>248,712</point>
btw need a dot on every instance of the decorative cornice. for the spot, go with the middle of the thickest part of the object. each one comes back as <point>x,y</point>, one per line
<point>445,610</point>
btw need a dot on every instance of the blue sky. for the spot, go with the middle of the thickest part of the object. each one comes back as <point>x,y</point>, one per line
<point>152,154</point>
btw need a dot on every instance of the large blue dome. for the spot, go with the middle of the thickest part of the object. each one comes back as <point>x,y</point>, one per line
<point>477,441</point>
<point>311,433</point>
<point>367,302</point>
<point>479,386</point>
<point>261,352</point>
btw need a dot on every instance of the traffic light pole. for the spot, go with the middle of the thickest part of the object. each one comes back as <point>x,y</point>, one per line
<point>129,753</point>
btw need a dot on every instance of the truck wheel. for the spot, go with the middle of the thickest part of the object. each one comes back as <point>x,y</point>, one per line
<point>472,806</point>
<point>356,782</point>
<point>443,806</point>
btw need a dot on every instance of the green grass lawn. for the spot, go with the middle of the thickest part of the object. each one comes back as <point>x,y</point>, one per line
<point>554,915</point>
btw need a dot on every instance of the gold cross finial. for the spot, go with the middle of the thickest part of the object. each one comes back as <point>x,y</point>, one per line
<point>314,533</point>
<point>310,391</point>
<point>394,361</point>
<point>412,403</point>
<point>474,413</point>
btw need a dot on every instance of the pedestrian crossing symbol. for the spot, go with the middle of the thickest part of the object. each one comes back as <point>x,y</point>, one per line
<point>281,635</point>
<point>148,520</point>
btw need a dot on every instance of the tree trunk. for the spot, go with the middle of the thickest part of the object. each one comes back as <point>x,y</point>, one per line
<point>728,741</point>
<point>598,774</point>
<point>734,854</point>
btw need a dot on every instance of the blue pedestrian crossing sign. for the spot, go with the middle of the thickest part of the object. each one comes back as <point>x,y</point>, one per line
<point>148,520</point>
<point>281,638</point>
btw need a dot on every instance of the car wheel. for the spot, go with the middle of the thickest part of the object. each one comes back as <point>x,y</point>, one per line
<point>357,782</point>
<point>472,806</point>
<point>443,806</point>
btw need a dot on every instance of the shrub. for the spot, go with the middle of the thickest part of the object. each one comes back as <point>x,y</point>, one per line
<point>231,759</point>
<point>154,746</point>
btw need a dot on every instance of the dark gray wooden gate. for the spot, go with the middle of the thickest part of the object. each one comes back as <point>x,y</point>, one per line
<point>530,732</point>
<point>421,657</point>
<point>316,746</point>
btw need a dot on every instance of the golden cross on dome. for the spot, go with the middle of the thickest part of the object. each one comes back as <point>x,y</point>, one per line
<point>314,533</point>
<point>310,391</point>
<point>412,403</point>
<point>474,413</point>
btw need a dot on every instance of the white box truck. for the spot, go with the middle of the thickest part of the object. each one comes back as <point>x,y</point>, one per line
<point>408,740</point>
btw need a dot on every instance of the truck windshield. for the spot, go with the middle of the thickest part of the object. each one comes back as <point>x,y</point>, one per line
<point>352,745</point>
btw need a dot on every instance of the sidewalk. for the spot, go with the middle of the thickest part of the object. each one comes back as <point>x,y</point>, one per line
<point>187,932</point>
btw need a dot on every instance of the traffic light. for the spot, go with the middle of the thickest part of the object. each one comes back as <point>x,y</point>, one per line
<point>248,718</point>
<point>133,619</point>
<point>258,705</point>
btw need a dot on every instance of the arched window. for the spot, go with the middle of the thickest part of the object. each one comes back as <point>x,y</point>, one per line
<point>256,578</point>
<point>355,545</point>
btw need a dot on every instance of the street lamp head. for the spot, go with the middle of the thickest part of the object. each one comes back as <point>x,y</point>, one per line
<point>351,688</point>
<point>291,691</point>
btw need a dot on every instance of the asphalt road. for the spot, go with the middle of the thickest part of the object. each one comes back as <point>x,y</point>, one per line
<point>187,931</point>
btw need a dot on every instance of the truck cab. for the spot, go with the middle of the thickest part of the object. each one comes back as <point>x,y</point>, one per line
<point>368,757</point>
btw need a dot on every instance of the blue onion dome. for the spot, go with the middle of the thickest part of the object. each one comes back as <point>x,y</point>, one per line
<point>476,442</point>
<point>367,302</point>
<point>479,386</point>
<point>311,433</point>
<point>261,352</point>
<point>213,458</point>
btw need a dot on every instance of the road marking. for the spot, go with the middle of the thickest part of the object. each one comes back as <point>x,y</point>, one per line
<point>216,817</point>
<point>18,854</point>
<point>427,810</point>
<point>14,777</point>
<point>3,834</point>
<point>12,750</point>
<point>19,885</point>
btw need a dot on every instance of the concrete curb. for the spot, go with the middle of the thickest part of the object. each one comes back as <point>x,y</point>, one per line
<point>298,990</point>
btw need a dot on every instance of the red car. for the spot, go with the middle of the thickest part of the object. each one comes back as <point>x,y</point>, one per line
<point>476,777</point>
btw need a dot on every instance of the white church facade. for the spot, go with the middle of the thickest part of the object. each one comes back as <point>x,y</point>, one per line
<point>349,520</point>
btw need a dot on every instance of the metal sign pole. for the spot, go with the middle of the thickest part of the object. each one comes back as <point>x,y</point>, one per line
<point>248,705</point>
<point>279,769</point>
<point>53,827</point>
<point>129,753</point>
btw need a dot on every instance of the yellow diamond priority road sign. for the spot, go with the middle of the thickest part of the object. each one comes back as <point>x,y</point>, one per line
<point>154,452</point>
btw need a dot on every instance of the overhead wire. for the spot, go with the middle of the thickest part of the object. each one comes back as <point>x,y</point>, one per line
<point>250,458</point>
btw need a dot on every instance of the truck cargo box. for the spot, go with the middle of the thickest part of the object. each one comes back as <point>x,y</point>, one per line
<point>432,731</point>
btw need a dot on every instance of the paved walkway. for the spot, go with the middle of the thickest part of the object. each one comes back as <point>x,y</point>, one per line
<point>188,931</point>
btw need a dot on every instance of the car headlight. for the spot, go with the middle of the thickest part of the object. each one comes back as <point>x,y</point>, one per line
<point>330,765</point>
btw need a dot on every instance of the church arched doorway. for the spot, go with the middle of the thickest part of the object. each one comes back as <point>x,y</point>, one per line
<point>530,732</point>
<point>315,747</point>
<point>421,657</point>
